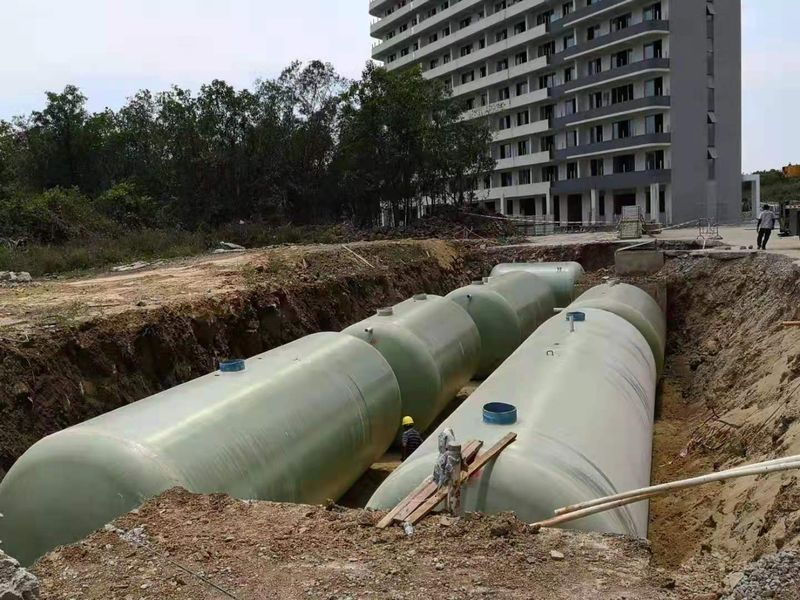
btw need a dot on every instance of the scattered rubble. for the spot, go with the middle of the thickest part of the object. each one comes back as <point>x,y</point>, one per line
<point>769,577</point>
<point>16,277</point>
<point>16,583</point>
<point>135,266</point>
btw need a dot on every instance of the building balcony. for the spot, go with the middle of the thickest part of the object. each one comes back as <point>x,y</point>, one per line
<point>486,24</point>
<point>376,7</point>
<point>521,131</point>
<point>613,110</point>
<point>611,76</point>
<point>516,162</point>
<point>618,146</point>
<point>497,77</point>
<point>615,181</point>
<point>643,30</point>
<point>515,191</point>
<point>424,26</point>
<point>484,54</point>
<point>510,104</point>
<point>596,10</point>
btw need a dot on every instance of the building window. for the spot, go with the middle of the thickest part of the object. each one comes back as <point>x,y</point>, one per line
<point>506,180</point>
<point>505,151</point>
<point>523,118</point>
<point>592,32</point>
<point>596,100</point>
<point>467,77</point>
<point>550,174</point>
<point>621,22</point>
<point>483,71</point>
<point>522,88</point>
<point>547,143</point>
<point>653,12</point>
<point>546,112</point>
<point>434,63</point>
<point>571,106</point>
<point>654,123</point>
<point>547,81</point>
<point>522,148</point>
<point>596,134</point>
<point>595,66</point>
<point>504,94</point>
<point>566,8</point>
<point>521,58</point>
<point>625,163</point>
<point>622,130</point>
<point>505,122</point>
<point>621,59</point>
<point>544,18</point>
<point>469,104</point>
<point>597,168</point>
<point>546,49</point>
<point>501,35</point>
<point>465,50</point>
<point>569,41</point>
<point>404,52</point>
<point>654,161</point>
<point>572,138</point>
<point>465,22</point>
<point>622,94</point>
<point>572,170</point>
<point>601,202</point>
<point>568,74</point>
<point>502,65</point>
<point>654,87</point>
<point>653,50</point>
<point>519,28</point>
<point>525,177</point>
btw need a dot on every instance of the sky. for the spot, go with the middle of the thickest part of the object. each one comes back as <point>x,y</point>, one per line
<point>112,48</point>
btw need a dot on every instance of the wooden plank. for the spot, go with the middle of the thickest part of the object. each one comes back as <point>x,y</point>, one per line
<point>791,323</point>
<point>390,516</point>
<point>479,463</point>
<point>423,491</point>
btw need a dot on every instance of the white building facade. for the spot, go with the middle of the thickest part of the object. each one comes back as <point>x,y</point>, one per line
<point>593,104</point>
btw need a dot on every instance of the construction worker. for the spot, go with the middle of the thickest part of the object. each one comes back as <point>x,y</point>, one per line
<point>411,438</point>
<point>766,223</point>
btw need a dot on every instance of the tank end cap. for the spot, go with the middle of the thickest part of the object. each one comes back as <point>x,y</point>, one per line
<point>499,413</point>
<point>236,365</point>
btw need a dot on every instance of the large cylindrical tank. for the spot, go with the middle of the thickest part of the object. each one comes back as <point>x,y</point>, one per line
<point>635,306</point>
<point>585,401</point>
<point>301,423</point>
<point>562,276</point>
<point>433,347</point>
<point>506,309</point>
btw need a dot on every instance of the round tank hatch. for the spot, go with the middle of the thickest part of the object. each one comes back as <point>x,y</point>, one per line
<point>232,366</point>
<point>385,312</point>
<point>577,317</point>
<point>420,296</point>
<point>487,280</point>
<point>499,413</point>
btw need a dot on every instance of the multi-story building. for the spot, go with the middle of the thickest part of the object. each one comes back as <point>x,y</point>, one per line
<point>594,104</point>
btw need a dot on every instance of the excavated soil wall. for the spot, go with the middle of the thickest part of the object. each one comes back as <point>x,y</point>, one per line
<point>53,378</point>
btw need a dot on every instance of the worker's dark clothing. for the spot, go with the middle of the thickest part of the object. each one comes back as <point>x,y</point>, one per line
<point>410,442</point>
<point>763,237</point>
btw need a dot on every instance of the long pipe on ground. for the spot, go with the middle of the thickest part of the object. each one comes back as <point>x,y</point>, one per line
<point>585,509</point>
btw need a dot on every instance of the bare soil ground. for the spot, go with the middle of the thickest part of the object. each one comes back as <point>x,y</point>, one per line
<point>179,544</point>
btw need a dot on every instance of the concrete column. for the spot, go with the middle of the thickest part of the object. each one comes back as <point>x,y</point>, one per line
<point>593,207</point>
<point>756,196</point>
<point>548,206</point>
<point>655,191</point>
<point>502,210</point>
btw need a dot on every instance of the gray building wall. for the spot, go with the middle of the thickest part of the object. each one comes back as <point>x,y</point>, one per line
<point>689,111</point>
<point>728,106</point>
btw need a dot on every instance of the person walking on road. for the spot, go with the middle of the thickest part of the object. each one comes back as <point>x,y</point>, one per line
<point>411,438</point>
<point>766,223</point>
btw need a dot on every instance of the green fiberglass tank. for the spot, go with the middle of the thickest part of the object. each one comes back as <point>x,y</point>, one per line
<point>506,310</point>
<point>433,347</point>
<point>300,423</point>
<point>635,306</point>
<point>562,276</point>
<point>584,394</point>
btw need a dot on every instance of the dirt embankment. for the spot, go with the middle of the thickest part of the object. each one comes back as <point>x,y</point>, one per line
<point>71,350</point>
<point>731,396</point>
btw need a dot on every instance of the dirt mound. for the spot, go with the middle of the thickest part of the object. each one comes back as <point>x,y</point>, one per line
<point>182,546</point>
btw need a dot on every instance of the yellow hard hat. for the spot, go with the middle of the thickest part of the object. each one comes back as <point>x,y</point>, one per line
<point>408,421</point>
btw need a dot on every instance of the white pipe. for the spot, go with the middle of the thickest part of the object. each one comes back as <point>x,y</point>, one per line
<point>611,502</point>
<point>633,493</point>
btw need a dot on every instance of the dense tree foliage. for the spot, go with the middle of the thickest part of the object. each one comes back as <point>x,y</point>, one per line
<point>306,147</point>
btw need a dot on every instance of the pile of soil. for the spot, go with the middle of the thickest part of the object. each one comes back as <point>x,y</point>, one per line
<point>186,546</point>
